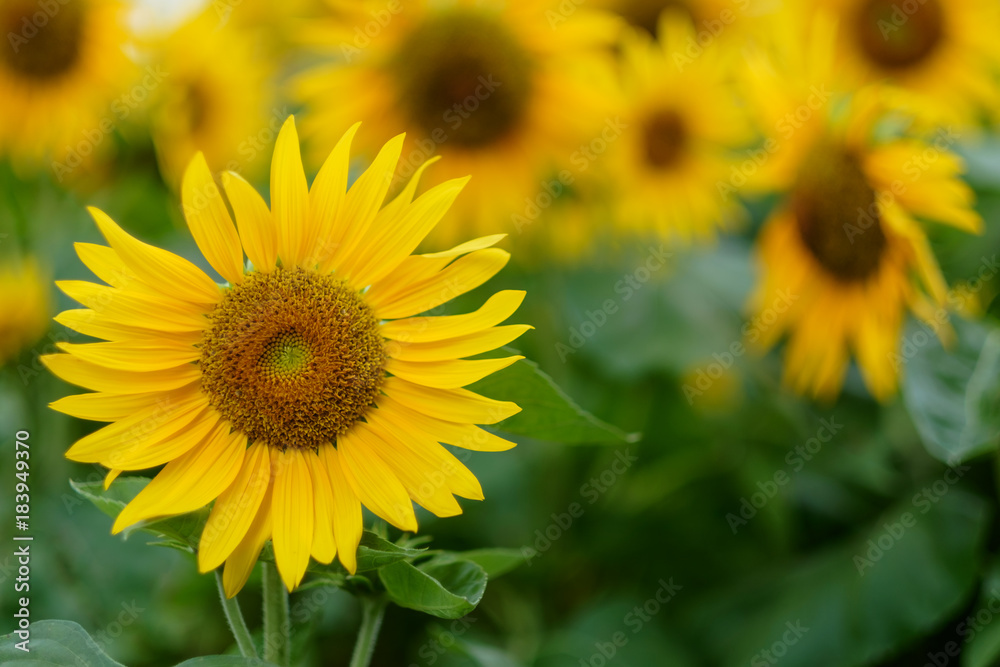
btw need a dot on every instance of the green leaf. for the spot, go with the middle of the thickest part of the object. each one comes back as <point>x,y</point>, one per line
<point>495,562</point>
<point>547,413</point>
<point>55,643</point>
<point>179,532</point>
<point>443,589</point>
<point>983,649</point>
<point>863,600</point>
<point>225,661</point>
<point>375,552</point>
<point>953,395</point>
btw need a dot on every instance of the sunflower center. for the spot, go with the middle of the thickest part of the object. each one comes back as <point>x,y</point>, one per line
<point>40,45</point>
<point>838,215</point>
<point>645,14</point>
<point>665,138</point>
<point>894,39</point>
<point>464,77</point>
<point>293,358</point>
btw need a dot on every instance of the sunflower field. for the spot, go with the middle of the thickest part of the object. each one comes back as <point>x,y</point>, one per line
<point>500,333</point>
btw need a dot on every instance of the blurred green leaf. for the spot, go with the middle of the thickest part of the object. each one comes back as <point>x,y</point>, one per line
<point>225,661</point>
<point>953,394</point>
<point>983,648</point>
<point>55,643</point>
<point>860,602</point>
<point>495,562</point>
<point>547,412</point>
<point>446,590</point>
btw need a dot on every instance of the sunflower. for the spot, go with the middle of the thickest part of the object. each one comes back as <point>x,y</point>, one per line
<point>504,91</point>
<point>844,256</point>
<point>309,384</point>
<point>711,18</point>
<point>685,129</point>
<point>24,302</point>
<point>943,56</point>
<point>63,77</point>
<point>216,99</point>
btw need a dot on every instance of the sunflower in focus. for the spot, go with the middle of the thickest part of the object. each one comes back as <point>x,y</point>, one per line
<point>845,256</point>
<point>504,91</point>
<point>943,56</point>
<point>216,99</point>
<point>62,72</point>
<point>684,127</point>
<point>24,302</point>
<point>306,386</point>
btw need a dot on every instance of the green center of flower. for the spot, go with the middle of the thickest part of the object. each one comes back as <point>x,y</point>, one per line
<point>838,215</point>
<point>464,78</point>
<point>40,45</point>
<point>894,38</point>
<point>665,138</point>
<point>294,358</point>
<point>645,14</point>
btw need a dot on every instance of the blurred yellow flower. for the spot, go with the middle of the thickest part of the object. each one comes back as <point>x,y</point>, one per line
<point>711,18</point>
<point>64,81</point>
<point>505,91</point>
<point>684,126</point>
<point>217,100</point>
<point>844,256</point>
<point>316,357</point>
<point>24,302</point>
<point>942,55</point>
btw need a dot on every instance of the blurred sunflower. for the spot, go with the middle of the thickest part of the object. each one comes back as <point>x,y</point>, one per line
<point>944,56</point>
<point>24,302</point>
<point>844,257</point>
<point>504,91</point>
<point>715,16</point>
<point>685,127</point>
<point>315,357</point>
<point>216,100</point>
<point>61,75</point>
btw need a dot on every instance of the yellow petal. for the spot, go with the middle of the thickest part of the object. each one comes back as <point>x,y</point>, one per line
<point>115,381</point>
<point>254,221</point>
<point>235,509</point>
<point>290,197</point>
<point>457,348</point>
<point>324,548</point>
<point>365,198</point>
<point>102,407</point>
<point>171,413</point>
<point>382,252</point>
<point>347,519</point>
<point>240,564</point>
<point>294,517</point>
<point>326,201</point>
<point>466,436</point>
<point>209,221</point>
<point>454,405</point>
<point>137,355</point>
<point>105,263</point>
<point>136,309</point>
<point>111,477</point>
<point>90,323</point>
<point>462,275</point>
<point>498,308</point>
<point>163,446</point>
<point>447,374</point>
<point>374,483</point>
<point>158,268</point>
<point>190,481</point>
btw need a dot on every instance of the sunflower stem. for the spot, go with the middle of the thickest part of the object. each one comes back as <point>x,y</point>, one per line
<point>236,623</point>
<point>277,647</point>
<point>372,613</point>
